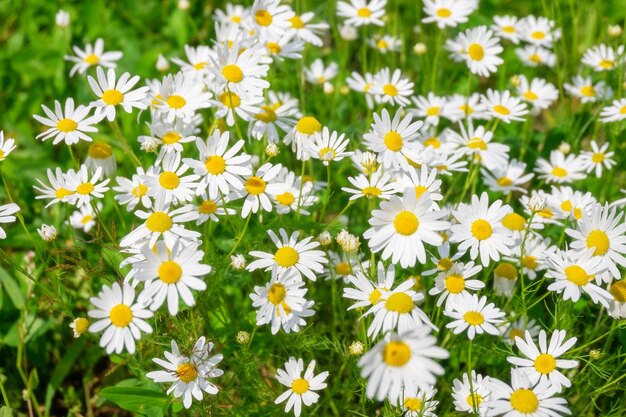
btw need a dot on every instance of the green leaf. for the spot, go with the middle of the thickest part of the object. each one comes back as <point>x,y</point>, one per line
<point>6,411</point>
<point>139,400</point>
<point>12,288</point>
<point>62,369</point>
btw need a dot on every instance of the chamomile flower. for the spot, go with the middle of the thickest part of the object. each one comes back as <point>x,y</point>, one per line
<point>291,253</point>
<point>507,27</point>
<point>68,124</point>
<point>368,293</point>
<point>481,50</point>
<point>603,57</point>
<point>198,61</point>
<point>112,93</point>
<point>600,230</point>
<point>180,96</point>
<point>169,184</point>
<point>304,29</point>
<point>293,197</point>
<point>560,169</point>
<point>84,218</point>
<point>100,155</point>
<point>133,191</point>
<point>122,319</point>
<point>391,88</point>
<point>617,309</point>
<point>470,395</point>
<point>507,178</point>
<point>7,212</point>
<point>535,249</point>
<point>586,90</point>
<point>523,398</point>
<point>84,189</point>
<point>6,146</point>
<point>598,158</point>
<point>422,180</point>
<point>281,301</point>
<point>533,56</point>
<point>239,72</point>
<point>362,12</point>
<point>385,43</point>
<point>503,106</point>
<point>170,274</point>
<point>362,84</point>
<point>539,31</point>
<point>396,311</point>
<point>270,18</point>
<point>574,272</point>
<point>401,227</point>
<point>429,107</point>
<point>221,169</point>
<point>209,209</point>
<point>342,266</point>
<point>512,329</point>
<point>92,56</point>
<point>402,362</point>
<point>277,115</point>
<point>329,146</point>
<point>301,135</point>
<point>480,229</point>
<point>616,112</point>
<point>190,374</point>
<point>172,135</point>
<point>538,92</point>
<point>543,363</point>
<point>478,143</point>
<point>393,140</point>
<point>473,314</point>
<point>418,403</point>
<point>459,107</point>
<point>258,188</point>
<point>318,73</point>
<point>455,282</point>
<point>443,261</point>
<point>301,387</point>
<point>447,13</point>
<point>234,14</point>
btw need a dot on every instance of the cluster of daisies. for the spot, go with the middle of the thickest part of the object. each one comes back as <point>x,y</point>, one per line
<point>456,241</point>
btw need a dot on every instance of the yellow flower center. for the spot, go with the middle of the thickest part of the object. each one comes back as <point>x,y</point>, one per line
<point>506,270</point>
<point>598,157</point>
<point>474,400</point>
<point>504,182</point>
<point>308,125</point>
<point>382,44</point>
<point>296,22</point>
<point>121,315</point>
<point>577,275</point>
<point>285,199</point>
<point>140,190</point>
<point>112,97</point>
<point>100,150</point>
<point>545,363</point>
<point>538,35</point>
<point>534,58</point>
<point>215,165</point>
<point>92,59</point>
<point>413,404</point>
<point>476,52</point>
<point>364,12</point>
<point>393,141</point>
<point>559,172</point>
<point>529,95</point>
<point>263,17</point>
<point>477,143</point>
<point>371,192</point>
<point>273,47</point>
<point>396,353</point>
<point>508,29</point>
<point>343,268</point>
<point>176,102</point>
<point>375,296</point>
<point>390,90</point>
<point>230,99</point>
<point>622,110</point>
<point>434,142</point>
<point>524,400</point>
<point>500,109</point>
<point>187,372</point>
<point>232,73</point>
<point>607,63</point>
<point>327,154</point>
<point>268,115</point>
<point>286,257</point>
<point>159,222</point>
<point>588,91</point>
<point>530,262</point>
<point>80,325</point>
<point>444,264</point>
<point>454,283</point>
<point>513,333</point>
<point>255,185</point>
<point>85,188</point>
<point>66,125</point>
<point>169,180</point>
<point>406,223</point>
<point>207,207</point>
<point>300,386</point>
<point>599,240</point>
<point>170,138</point>
<point>443,12</point>
<point>419,190</point>
<point>86,219</point>
<point>276,294</point>
<point>481,229</point>
<point>170,272</point>
<point>399,303</point>
<point>474,318</point>
<point>618,291</point>
<point>433,111</point>
<point>200,65</point>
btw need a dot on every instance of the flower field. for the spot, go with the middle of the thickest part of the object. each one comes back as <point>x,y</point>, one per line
<point>336,208</point>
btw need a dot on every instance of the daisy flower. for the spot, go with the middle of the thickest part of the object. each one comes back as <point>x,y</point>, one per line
<point>617,310</point>
<point>535,249</point>
<point>616,112</point>
<point>523,398</point>
<point>503,106</point>
<point>507,178</point>
<point>401,227</point>
<point>459,107</point>
<point>91,56</point>
<point>512,329</point>
<point>393,140</point>
<point>342,266</point>
<point>471,395</point>
<point>560,168</point>
<point>111,93</point>
<point>538,92</point>
<point>365,292</point>
<point>180,96</point>
<point>6,216</point>
<point>587,91</point>
<point>84,218</point>
<point>270,18</point>
<point>418,403</point>
<point>67,124</point>
<point>329,146</point>
<point>120,317</point>
<point>189,373</point>
<point>258,189</point>
<point>603,57</point>
<point>362,12</point>
<point>210,209</point>
<point>543,363</point>
<point>602,231</point>
<point>317,73</point>
<point>478,143</point>
<point>234,14</point>
<point>402,362</point>
<point>294,198</point>
<point>447,13</point>
<point>362,84</point>
<point>159,222</point>
<point>240,72</point>
<point>172,135</point>
<point>169,184</point>
<point>533,56</point>
<point>100,155</point>
<point>482,49</point>
<point>507,27</point>
<point>133,191</point>
<point>443,261</point>
<point>198,60</point>
<point>304,29</point>
<point>480,229</point>
<point>170,274</point>
<point>291,253</point>
<point>84,189</point>
<point>422,180</point>
<point>221,169</point>
<point>539,31</point>
<point>454,282</point>
<point>390,88</point>
<point>567,203</point>
<point>473,314</point>
<point>278,114</point>
<point>6,146</point>
<point>281,301</point>
<point>429,107</point>
<point>574,272</point>
<point>301,135</point>
<point>301,387</point>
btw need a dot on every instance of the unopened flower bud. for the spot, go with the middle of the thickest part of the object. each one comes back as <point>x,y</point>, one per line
<point>272,150</point>
<point>325,238</point>
<point>565,147</point>
<point>356,348</point>
<point>515,80</point>
<point>348,33</point>
<point>162,63</point>
<point>242,337</point>
<point>79,326</point>
<point>614,30</point>
<point>238,262</point>
<point>62,19</point>
<point>537,203</point>
<point>420,48</point>
<point>47,232</point>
